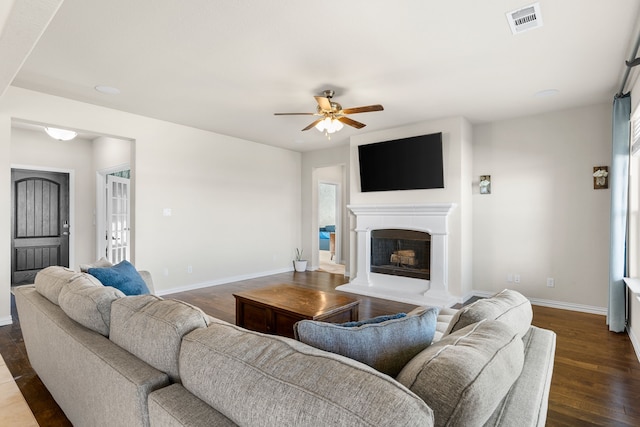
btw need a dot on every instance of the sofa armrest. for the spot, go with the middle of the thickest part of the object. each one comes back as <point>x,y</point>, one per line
<point>94,381</point>
<point>148,280</point>
<point>444,318</point>
<point>527,402</point>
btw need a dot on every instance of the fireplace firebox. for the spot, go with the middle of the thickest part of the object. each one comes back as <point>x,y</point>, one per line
<point>401,253</point>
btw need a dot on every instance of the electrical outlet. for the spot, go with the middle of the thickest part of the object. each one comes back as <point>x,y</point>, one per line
<point>189,269</point>
<point>516,278</point>
<point>166,271</point>
<point>510,278</point>
<point>551,283</point>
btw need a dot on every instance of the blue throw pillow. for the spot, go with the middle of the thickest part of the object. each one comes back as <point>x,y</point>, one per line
<point>386,345</point>
<point>122,276</point>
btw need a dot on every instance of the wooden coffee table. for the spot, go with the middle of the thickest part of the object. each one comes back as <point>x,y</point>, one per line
<point>275,309</point>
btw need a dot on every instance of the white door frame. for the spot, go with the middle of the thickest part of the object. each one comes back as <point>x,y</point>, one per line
<point>101,208</point>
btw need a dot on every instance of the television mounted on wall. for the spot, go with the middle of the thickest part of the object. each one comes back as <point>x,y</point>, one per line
<point>413,163</point>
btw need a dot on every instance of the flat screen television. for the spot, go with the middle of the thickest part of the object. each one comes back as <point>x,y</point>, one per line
<point>402,164</point>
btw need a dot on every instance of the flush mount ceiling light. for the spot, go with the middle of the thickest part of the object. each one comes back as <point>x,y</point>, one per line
<point>107,90</point>
<point>60,134</point>
<point>546,92</point>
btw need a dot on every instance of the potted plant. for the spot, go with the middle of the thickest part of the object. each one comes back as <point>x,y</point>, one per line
<point>299,264</point>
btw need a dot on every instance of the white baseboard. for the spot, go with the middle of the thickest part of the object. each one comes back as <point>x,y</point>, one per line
<point>569,306</point>
<point>223,281</point>
<point>4,321</point>
<point>551,303</point>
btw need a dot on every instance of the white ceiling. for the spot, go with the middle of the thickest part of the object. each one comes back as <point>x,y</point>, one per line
<point>227,66</point>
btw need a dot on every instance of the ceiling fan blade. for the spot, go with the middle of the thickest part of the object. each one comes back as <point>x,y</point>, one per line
<point>294,114</point>
<point>313,124</point>
<point>351,122</point>
<point>364,109</point>
<point>323,102</point>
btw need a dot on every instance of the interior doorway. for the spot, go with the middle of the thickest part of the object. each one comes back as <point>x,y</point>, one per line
<point>114,214</point>
<point>40,222</point>
<point>329,219</point>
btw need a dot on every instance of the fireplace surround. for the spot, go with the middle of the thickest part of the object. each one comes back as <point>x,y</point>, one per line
<point>425,219</point>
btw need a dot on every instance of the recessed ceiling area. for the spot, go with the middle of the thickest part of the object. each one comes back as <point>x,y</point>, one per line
<point>227,67</point>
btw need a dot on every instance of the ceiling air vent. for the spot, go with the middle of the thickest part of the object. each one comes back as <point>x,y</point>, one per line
<point>526,18</point>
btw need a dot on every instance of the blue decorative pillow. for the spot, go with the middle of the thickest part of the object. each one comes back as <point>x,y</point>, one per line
<point>379,319</point>
<point>385,345</point>
<point>122,276</point>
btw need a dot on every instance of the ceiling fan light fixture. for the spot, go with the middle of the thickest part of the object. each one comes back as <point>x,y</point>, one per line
<point>329,125</point>
<point>60,134</point>
<point>331,116</point>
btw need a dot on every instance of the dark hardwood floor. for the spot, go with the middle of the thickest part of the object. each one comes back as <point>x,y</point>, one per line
<point>596,379</point>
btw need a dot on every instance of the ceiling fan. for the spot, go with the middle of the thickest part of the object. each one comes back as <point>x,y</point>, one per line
<point>332,115</point>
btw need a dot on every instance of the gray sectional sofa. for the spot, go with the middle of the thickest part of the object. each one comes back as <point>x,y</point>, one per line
<point>115,360</point>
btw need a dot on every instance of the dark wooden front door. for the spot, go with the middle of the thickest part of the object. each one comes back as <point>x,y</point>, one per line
<point>39,222</point>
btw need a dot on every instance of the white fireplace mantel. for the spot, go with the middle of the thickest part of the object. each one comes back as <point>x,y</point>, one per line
<point>431,218</point>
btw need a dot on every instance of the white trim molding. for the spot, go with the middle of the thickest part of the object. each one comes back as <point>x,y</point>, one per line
<point>562,305</point>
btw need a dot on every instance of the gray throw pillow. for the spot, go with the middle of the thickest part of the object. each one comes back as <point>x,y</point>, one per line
<point>508,306</point>
<point>465,376</point>
<point>385,346</point>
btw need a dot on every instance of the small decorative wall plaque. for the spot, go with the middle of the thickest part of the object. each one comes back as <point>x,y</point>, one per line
<point>600,177</point>
<point>485,184</point>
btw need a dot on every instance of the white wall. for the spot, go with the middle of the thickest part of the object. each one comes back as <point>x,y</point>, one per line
<point>5,218</point>
<point>457,157</point>
<point>38,150</point>
<point>543,218</point>
<point>235,203</point>
<point>327,193</point>
<point>111,152</point>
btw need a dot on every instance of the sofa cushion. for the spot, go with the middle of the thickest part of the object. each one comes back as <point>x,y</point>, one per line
<point>268,380</point>
<point>508,306</point>
<point>152,328</point>
<point>50,281</point>
<point>102,262</point>
<point>386,346</point>
<point>86,301</point>
<point>123,276</point>
<point>176,406</point>
<point>465,376</point>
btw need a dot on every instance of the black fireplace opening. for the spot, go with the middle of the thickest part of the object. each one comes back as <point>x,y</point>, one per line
<point>401,253</point>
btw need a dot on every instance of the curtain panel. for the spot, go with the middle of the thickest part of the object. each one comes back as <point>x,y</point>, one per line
<point>619,185</point>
